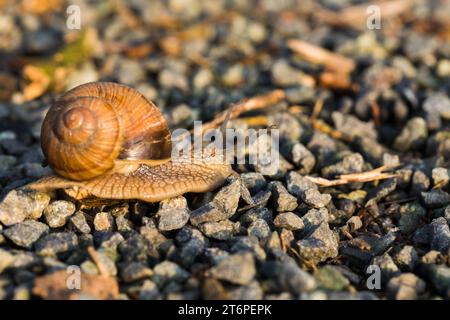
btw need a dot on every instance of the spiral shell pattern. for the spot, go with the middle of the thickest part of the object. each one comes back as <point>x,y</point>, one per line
<point>94,124</point>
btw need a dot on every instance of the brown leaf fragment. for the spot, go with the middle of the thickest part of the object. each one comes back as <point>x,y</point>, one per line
<point>57,286</point>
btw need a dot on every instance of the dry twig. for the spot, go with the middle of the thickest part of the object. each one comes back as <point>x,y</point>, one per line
<point>372,175</point>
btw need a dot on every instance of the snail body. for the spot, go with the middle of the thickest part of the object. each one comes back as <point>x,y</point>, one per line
<point>108,141</point>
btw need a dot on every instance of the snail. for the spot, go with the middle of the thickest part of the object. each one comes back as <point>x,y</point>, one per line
<point>107,140</point>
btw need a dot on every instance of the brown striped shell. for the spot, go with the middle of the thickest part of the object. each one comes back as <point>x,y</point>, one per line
<point>91,126</point>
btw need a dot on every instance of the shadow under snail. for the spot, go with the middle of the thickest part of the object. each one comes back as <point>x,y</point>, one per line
<point>108,141</point>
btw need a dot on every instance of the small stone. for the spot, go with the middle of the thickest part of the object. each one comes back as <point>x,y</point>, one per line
<point>412,136</point>
<point>285,75</point>
<point>173,214</point>
<point>259,229</point>
<point>330,278</point>
<point>436,198</point>
<point>7,162</point>
<point>354,127</point>
<point>237,268</point>
<point>354,223</point>
<point>250,244</point>
<point>283,201</point>
<point>192,244</point>
<point>19,205</point>
<point>223,230</point>
<point>78,222</point>
<point>222,207</point>
<point>289,276</point>
<point>130,72</point>
<point>288,220</point>
<point>301,157</point>
<point>104,221</point>
<point>253,291</point>
<point>447,214</point>
<point>307,190</point>
<point>384,242</point>
<point>315,217</point>
<point>441,176</point>
<point>440,235</point>
<point>438,104</point>
<point>57,213</point>
<point>352,163</point>
<point>253,181</point>
<point>123,224</point>
<point>383,190</point>
<point>406,286</point>
<point>56,243</point>
<point>26,233</point>
<point>390,160</point>
<point>256,213</point>
<point>134,271</point>
<point>411,215</point>
<point>406,259</point>
<point>320,245</point>
<point>7,259</point>
<point>202,79</point>
<point>419,182</point>
<point>168,271</point>
<point>207,213</point>
<point>387,266</point>
<point>149,291</point>
<point>440,278</point>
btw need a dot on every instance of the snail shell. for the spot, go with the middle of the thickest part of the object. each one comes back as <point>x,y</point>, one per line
<point>94,124</point>
<point>106,140</point>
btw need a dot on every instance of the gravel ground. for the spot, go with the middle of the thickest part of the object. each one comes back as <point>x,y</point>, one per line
<point>260,236</point>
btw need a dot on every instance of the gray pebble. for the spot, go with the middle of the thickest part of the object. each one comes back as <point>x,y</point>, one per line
<point>79,224</point>
<point>149,291</point>
<point>259,229</point>
<point>103,221</point>
<point>253,181</point>
<point>237,268</point>
<point>307,190</point>
<point>283,201</point>
<point>387,267</point>
<point>191,245</point>
<point>7,162</point>
<point>406,259</point>
<point>134,271</point>
<point>440,278</point>
<point>56,243</point>
<point>352,163</point>
<point>320,245</point>
<point>440,235</point>
<point>419,182</point>
<point>173,214</point>
<point>290,277</point>
<point>288,220</point>
<point>223,230</point>
<point>354,127</point>
<point>301,157</point>
<point>168,271</point>
<point>331,278</point>
<point>436,198</point>
<point>440,176</point>
<point>412,136</point>
<point>57,213</point>
<point>26,233</point>
<point>315,217</point>
<point>406,286</point>
<point>21,204</point>
<point>411,215</point>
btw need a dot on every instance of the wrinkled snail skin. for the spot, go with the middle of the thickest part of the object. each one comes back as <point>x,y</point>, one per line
<point>146,183</point>
<point>107,140</point>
